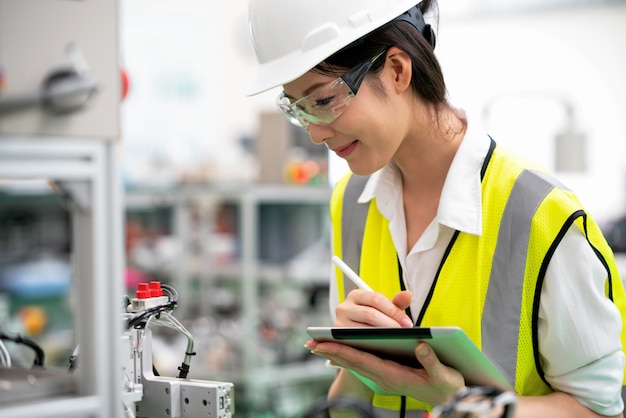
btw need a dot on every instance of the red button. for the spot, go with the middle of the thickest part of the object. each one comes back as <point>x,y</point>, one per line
<point>155,289</point>
<point>143,291</point>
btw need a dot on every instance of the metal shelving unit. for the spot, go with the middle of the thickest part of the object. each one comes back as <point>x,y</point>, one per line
<point>250,271</point>
<point>87,175</point>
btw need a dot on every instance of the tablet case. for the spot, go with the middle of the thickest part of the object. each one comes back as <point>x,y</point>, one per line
<point>451,344</point>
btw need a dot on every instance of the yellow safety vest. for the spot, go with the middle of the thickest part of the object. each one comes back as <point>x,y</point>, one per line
<point>488,285</point>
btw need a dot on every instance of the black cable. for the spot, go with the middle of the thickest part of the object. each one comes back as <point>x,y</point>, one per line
<point>20,339</point>
<point>140,319</point>
<point>142,316</point>
<point>184,370</point>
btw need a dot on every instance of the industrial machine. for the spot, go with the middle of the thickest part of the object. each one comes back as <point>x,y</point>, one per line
<point>145,393</point>
<point>151,394</point>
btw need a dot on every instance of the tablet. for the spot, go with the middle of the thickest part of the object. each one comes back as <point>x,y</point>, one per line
<point>452,345</point>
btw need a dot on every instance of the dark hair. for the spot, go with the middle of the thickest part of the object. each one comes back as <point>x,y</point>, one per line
<point>427,79</point>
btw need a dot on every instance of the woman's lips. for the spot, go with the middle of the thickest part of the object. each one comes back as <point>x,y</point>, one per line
<point>347,150</point>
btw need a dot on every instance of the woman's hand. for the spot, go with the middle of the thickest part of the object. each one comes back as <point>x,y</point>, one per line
<point>434,384</point>
<point>363,308</point>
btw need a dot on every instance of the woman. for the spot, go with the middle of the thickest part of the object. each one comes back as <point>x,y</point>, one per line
<point>443,224</point>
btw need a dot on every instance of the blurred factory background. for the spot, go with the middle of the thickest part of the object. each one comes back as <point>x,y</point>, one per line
<point>224,200</point>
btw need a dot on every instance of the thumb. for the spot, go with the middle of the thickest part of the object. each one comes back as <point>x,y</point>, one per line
<point>403,299</point>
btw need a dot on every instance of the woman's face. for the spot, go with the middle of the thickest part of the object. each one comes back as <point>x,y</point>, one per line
<point>369,131</point>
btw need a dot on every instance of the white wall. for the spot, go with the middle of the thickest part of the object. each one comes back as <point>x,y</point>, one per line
<point>190,65</point>
<point>521,66</point>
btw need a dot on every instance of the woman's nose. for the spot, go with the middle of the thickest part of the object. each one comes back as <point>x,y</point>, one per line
<point>319,133</point>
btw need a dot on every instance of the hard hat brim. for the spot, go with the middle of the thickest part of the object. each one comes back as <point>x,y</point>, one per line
<point>282,71</point>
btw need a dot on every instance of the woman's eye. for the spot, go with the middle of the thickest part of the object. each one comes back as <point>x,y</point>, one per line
<point>324,102</point>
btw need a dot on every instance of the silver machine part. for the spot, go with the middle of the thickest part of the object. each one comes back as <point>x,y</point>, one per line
<point>168,397</point>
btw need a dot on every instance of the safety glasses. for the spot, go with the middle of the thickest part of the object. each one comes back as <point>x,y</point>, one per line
<point>326,102</point>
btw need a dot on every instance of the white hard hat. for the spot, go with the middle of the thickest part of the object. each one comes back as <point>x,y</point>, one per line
<point>292,36</point>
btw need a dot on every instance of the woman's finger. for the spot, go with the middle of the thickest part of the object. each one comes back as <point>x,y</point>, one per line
<point>366,308</point>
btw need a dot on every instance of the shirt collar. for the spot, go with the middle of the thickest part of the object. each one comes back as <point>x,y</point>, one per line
<point>460,205</point>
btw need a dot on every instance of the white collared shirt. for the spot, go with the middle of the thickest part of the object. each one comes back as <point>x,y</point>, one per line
<point>578,328</point>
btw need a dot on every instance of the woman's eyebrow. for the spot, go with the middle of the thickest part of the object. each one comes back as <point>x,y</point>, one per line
<point>308,90</point>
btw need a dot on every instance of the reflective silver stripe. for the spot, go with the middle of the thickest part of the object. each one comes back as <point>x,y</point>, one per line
<point>552,180</point>
<point>353,217</point>
<point>386,413</point>
<point>500,326</point>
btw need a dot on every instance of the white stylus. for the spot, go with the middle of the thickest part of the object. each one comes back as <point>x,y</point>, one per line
<point>351,274</point>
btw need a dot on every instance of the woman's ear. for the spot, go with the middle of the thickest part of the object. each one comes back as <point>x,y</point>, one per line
<point>400,69</point>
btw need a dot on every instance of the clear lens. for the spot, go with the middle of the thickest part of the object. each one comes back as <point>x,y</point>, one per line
<point>327,102</point>
<point>322,106</point>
